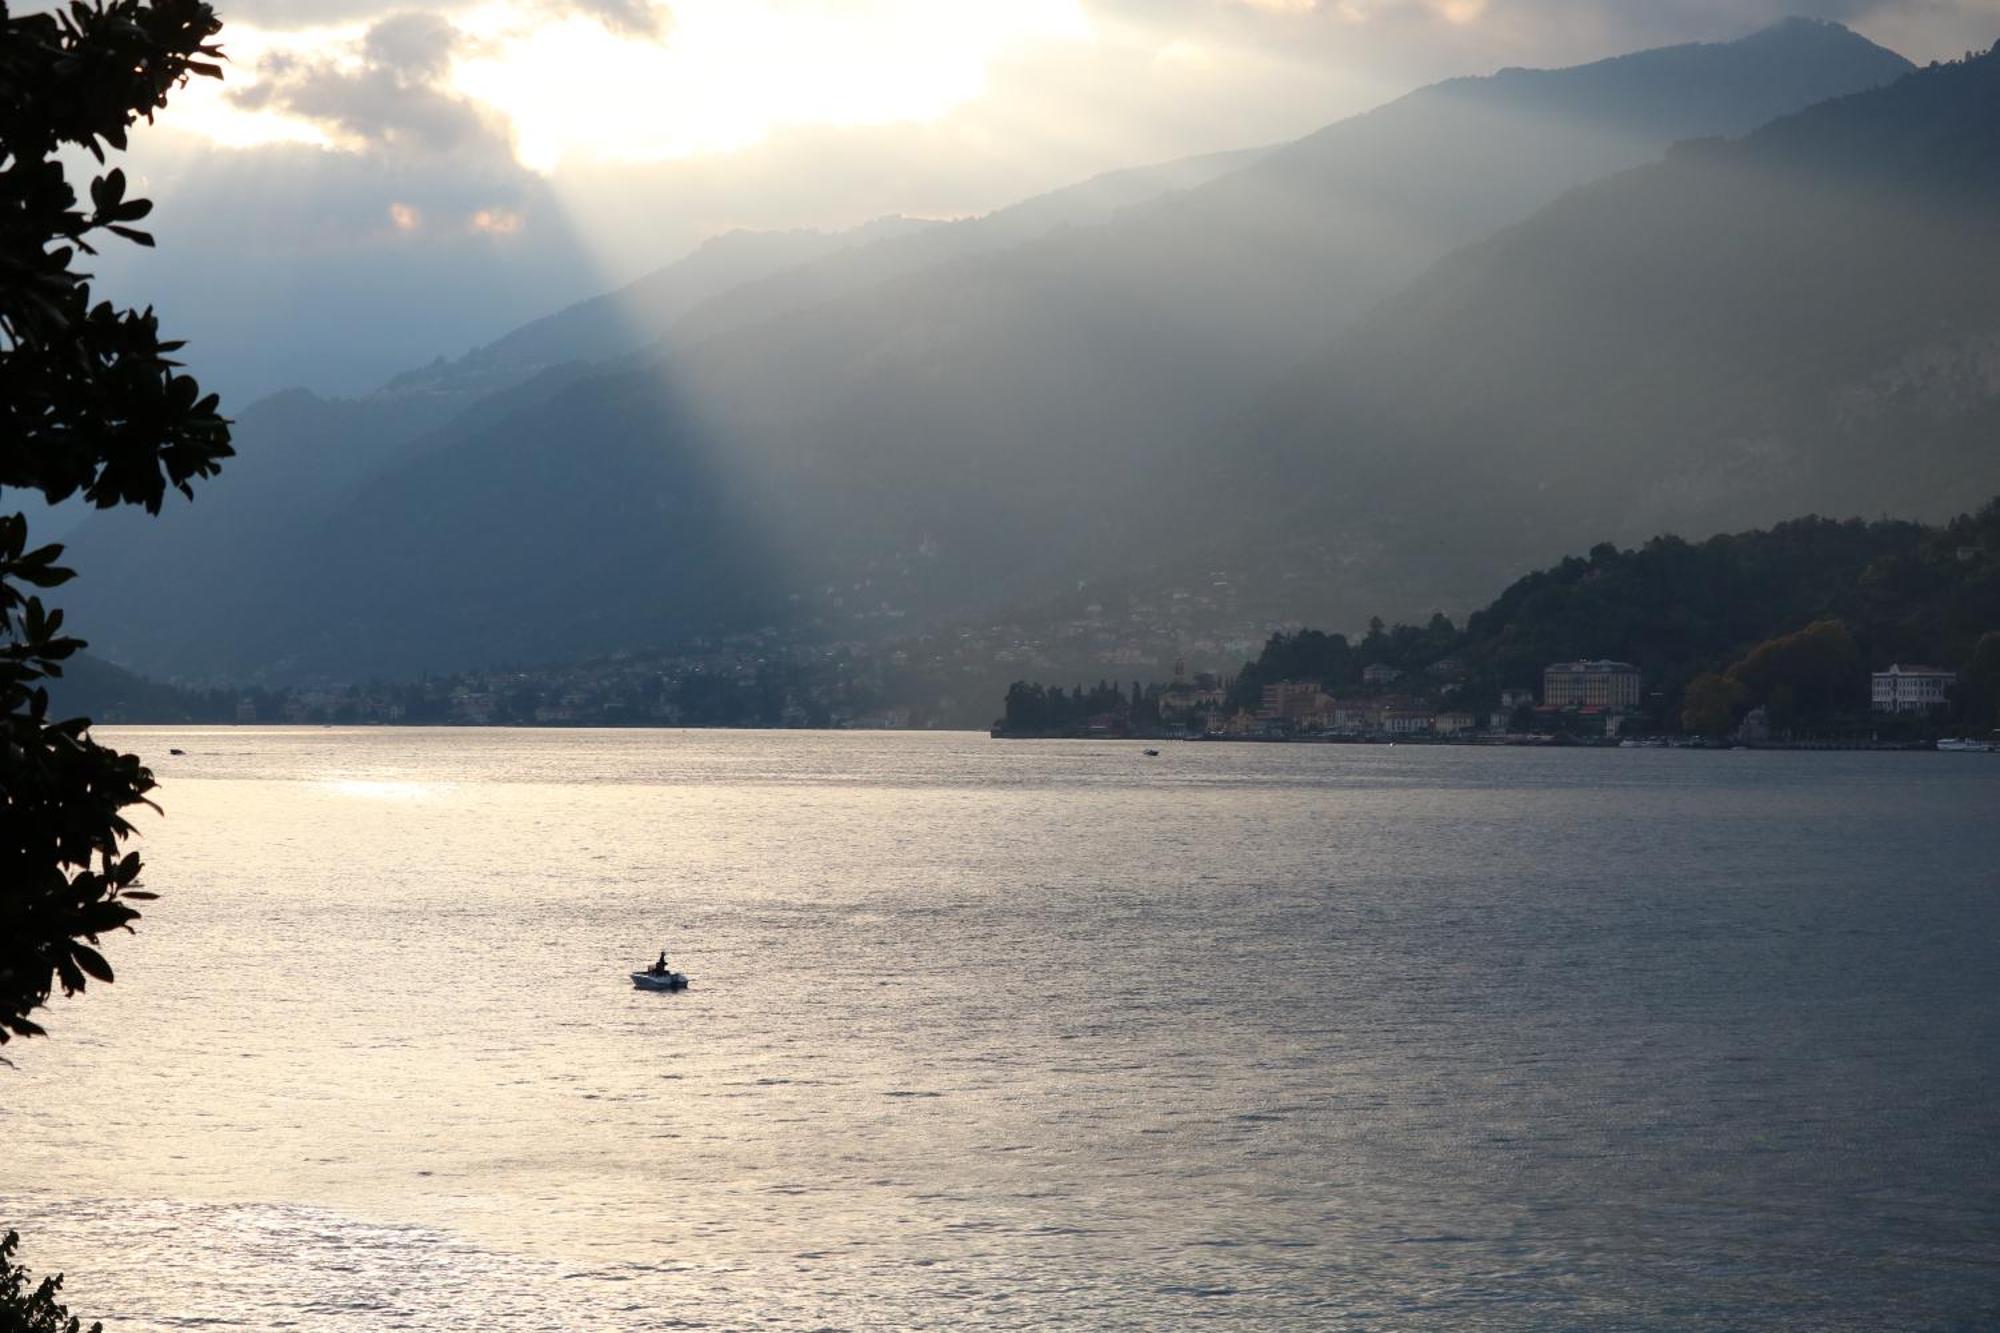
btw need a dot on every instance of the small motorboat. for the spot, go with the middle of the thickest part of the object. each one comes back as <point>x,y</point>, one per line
<point>1152,754</point>
<point>660,980</point>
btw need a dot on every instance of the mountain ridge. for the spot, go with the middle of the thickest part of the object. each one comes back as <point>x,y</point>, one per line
<point>1591,374</point>
<point>952,437</point>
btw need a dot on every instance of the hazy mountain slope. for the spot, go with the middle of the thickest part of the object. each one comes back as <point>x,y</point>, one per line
<point>1012,412</point>
<point>1279,257</point>
<point>192,591</point>
<point>162,593</point>
<point>746,276</point>
<point>640,312</point>
<point>1804,320</point>
<point>101,692</point>
<point>976,429</point>
<point>564,536</point>
<point>1219,288</point>
<point>1079,353</point>
<point>151,585</point>
<point>1093,203</point>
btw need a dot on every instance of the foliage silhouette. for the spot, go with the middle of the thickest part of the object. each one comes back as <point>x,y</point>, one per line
<point>1810,674</point>
<point>91,405</point>
<point>27,1306</point>
<point>1709,705</point>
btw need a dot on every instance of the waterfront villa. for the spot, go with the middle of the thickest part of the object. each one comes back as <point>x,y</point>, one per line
<point>1910,689</point>
<point>1590,684</point>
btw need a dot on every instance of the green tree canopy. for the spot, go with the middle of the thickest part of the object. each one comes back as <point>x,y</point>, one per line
<point>1708,708</point>
<point>1805,676</point>
<point>1977,696</point>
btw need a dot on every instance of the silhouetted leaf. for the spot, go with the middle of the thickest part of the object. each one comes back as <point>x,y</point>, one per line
<point>91,961</point>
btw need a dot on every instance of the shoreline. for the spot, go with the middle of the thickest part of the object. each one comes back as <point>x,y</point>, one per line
<point>1479,742</point>
<point>1491,742</point>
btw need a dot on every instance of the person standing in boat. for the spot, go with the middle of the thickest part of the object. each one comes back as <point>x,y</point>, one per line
<point>659,969</point>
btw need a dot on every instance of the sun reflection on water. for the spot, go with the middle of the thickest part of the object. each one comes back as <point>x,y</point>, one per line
<point>374,789</point>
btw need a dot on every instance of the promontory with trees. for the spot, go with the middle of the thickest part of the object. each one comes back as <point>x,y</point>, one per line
<point>1772,634</point>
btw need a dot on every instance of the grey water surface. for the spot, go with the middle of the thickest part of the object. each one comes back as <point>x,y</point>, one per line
<point>1028,1034</point>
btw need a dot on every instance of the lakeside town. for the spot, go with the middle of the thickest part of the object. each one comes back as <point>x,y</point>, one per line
<point>1814,633</point>
<point>1819,633</point>
<point>763,681</point>
<point>1584,702</point>
<point>822,672</point>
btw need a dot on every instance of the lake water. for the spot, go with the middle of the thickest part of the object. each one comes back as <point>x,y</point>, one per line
<point>1029,1034</point>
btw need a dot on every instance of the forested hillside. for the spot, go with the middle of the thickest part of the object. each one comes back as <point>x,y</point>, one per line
<point>1901,591</point>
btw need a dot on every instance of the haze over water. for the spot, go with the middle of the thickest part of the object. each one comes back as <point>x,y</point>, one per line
<point>1025,1034</point>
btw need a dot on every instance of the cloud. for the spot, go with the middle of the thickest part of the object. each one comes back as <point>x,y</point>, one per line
<point>293,15</point>
<point>390,96</point>
<point>633,81</point>
<point>415,46</point>
<point>293,264</point>
<point>639,18</point>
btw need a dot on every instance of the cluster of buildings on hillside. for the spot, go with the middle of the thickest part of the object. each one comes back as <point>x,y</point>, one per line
<point>1598,695</point>
<point>743,681</point>
<point>763,682</point>
<point>1587,697</point>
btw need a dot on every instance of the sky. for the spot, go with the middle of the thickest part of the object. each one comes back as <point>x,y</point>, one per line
<point>377,184</point>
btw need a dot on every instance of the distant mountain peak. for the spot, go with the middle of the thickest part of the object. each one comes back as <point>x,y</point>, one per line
<point>1803,32</point>
<point>1803,23</point>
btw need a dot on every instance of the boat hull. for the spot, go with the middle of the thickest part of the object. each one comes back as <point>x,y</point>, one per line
<point>655,981</point>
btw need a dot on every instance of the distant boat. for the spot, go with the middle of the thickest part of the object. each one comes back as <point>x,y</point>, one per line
<point>171,750</point>
<point>1965,744</point>
<point>660,980</point>
<point>1155,754</point>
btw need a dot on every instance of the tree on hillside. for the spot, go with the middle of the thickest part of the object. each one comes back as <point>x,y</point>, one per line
<point>91,405</point>
<point>1308,655</point>
<point>1708,708</point>
<point>1976,698</point>
<point>1807,676</point>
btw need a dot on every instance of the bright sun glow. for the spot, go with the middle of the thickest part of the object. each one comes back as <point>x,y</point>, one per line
<point>727,73</point>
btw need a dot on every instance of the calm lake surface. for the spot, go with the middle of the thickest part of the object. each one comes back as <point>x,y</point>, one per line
<point>1026,1034</point>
